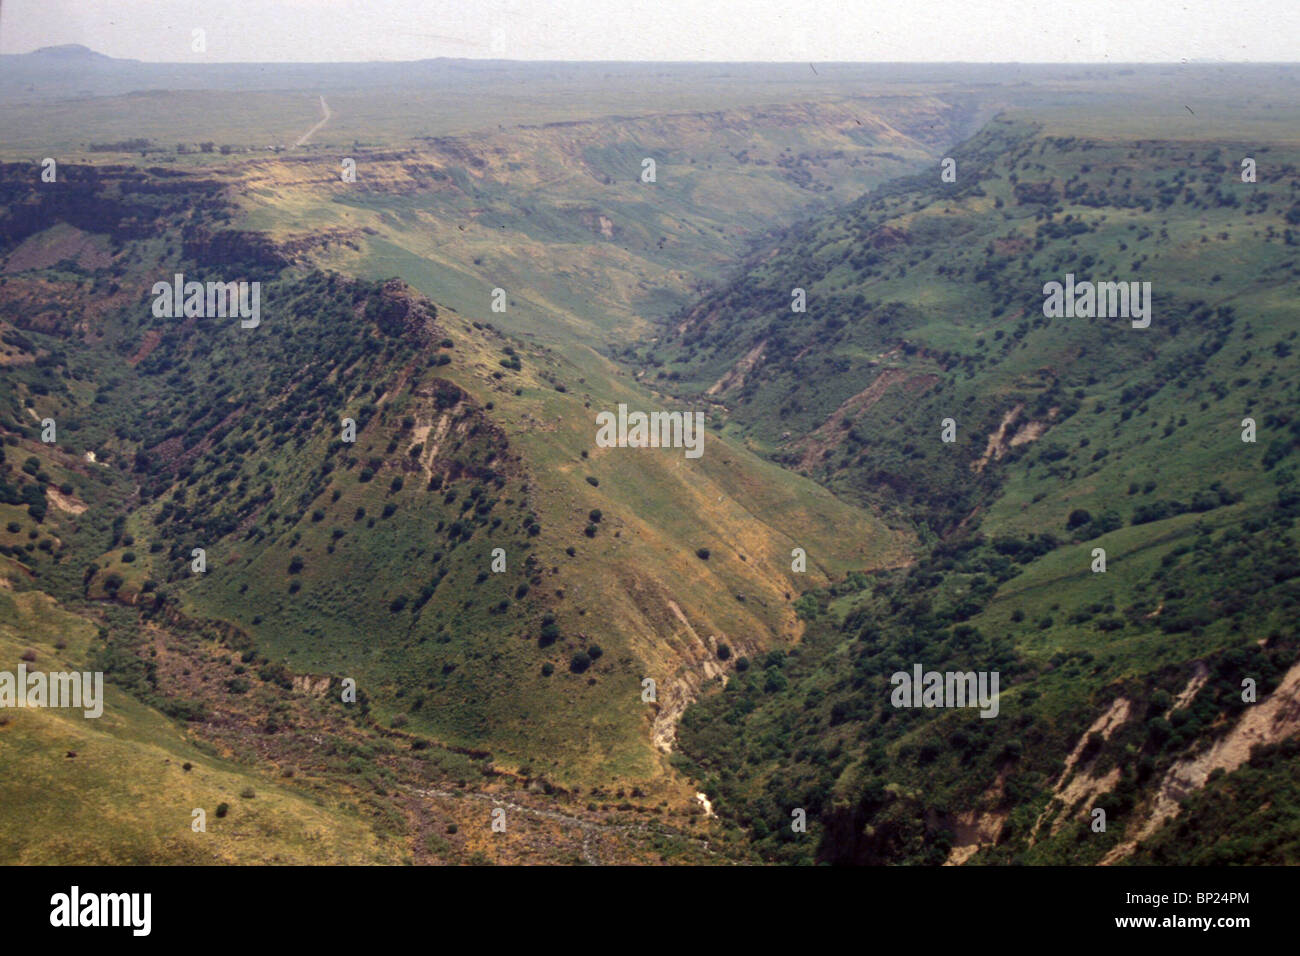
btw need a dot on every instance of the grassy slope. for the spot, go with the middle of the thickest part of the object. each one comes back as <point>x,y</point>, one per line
<point>1142,416</point>
<point>114,789</point>
<point>453,678</point>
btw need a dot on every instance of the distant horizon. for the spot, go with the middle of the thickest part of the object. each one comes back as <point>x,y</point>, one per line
<point>667,31</point>
<point>490,59</point>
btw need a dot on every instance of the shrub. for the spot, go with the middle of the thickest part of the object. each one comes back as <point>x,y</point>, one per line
<point>702,553</point>
<point>222,809</point>
<point>579,662</point>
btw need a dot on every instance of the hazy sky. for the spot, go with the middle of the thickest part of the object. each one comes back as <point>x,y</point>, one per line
<point>814,30</point>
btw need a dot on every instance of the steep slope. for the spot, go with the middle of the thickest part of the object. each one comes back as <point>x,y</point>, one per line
<point>495,584</point>
<point>925,303</point>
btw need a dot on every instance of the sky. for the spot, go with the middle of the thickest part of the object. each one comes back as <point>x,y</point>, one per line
<point>1000,31</point>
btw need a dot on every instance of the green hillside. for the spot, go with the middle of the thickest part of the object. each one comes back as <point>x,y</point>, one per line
<point>390,484</point>
<point>925,302</point>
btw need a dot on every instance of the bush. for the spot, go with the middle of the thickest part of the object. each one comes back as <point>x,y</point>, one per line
<point>579,662</point>
<point>222,809</point>
<point>593,481</point>
<point>702,553</point>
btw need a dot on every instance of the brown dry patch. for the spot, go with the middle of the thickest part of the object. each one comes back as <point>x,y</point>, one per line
<point>887,237</point>
<point>68,503</point>
<point>306,737</point>
<point>1031,431</point>
<point>1069,791</point>
<point>686,683</point>
<point>827,434</point>
<point>999,444</point>
<point>148,342</point>
<point>976,829</point>
<point>1014,246</point>
<point>1200,674</point>
<point>735,376</point>
<point>51,246</point>
<point>1270,721</point>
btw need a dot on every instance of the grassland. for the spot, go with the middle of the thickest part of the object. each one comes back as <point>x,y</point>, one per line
<point>374,560</point>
